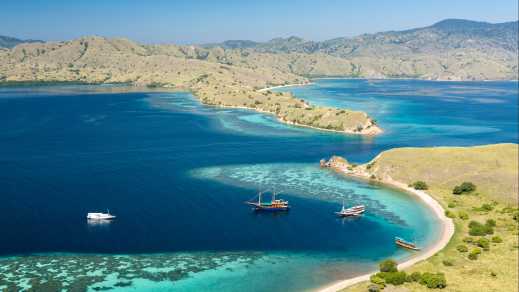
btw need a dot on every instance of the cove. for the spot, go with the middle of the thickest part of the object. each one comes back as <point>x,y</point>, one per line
<point>176,174</point>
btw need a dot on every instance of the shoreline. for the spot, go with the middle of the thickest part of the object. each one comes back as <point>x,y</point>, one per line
<point>447,228</point>
<point>411,78</point>
<point>376,130</point>
<point>283,86</point>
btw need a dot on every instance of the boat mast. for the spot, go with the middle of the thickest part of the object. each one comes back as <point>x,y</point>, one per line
<point>259,198</point>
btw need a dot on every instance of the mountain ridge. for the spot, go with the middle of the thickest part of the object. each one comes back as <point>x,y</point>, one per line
<point>10,42</point>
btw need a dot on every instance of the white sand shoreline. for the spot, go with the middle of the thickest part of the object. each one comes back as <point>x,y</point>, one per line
<point>370,132</point>
<point>447,230</point>
<point>286,85</point>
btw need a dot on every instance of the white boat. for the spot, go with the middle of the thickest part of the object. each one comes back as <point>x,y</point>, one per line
<point>100,216</point>
<point>351,212</point>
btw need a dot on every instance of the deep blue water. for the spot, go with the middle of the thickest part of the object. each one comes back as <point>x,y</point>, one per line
<point>176,173</point>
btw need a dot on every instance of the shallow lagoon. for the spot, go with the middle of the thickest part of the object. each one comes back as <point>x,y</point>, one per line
<point>176,174</point>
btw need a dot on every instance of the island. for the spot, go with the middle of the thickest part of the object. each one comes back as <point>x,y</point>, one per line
<point>474,193</point>
<point>99,60</point>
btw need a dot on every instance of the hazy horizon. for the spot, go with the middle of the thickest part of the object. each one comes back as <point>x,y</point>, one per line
<point>203,21</point>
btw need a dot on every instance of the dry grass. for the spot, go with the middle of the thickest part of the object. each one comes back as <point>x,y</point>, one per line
<point>494,170</point>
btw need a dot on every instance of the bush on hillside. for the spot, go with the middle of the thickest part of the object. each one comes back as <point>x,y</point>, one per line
<point>468,239</point>
<point>373,288</point>
<point>474,254</point>
<point>462,248</point>
<point>375,279</point>
<point>484,208</point>
<point>388,265</point>
<point>395,278</point>
<point>415,277</point>
<point>463,215</point>
<point>420,185</point>
<point>478,229</point>
<point>490,222</point>
<point>465,187</point>
<point>483,243</point>
<point>497,239</point>
<point>434,281</point>
<point>450,214</point>
<point>448,263</point>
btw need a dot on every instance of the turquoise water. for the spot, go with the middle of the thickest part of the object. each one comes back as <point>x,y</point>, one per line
<point>176,174</point>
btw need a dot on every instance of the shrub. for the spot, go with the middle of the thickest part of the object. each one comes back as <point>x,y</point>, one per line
<point>420,185</point>
<point>468,239</point>
<point>416,276</point>
<point>450,214</point>
<point>388,266</point>
<point>496,239</point>
<point>451,205</point>
<point>462,248</point>
<point>433,281</point>
<point>473,256</point>
<point>448,263</point>
<point>465,187</point>
<point>493,274</point>
<point>474,253</point>
<point>491,222</point>
<point>463,215</point>
<point>377,280</point>
<point>483,243</point>
<point>478,229</point>
<point>373,288</point>
<point>395,278</point>
<point>484,208</point>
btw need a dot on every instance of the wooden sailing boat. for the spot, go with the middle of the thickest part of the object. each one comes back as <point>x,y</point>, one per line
<point>405,244</point>
<point>273,205</point>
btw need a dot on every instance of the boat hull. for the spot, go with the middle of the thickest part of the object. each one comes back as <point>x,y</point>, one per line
<point>406,245</point>
<point>274,209</point>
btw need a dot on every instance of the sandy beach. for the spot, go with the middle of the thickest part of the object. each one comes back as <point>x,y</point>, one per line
<point>282,86</point>
<point>372,131</point>
<point>446,233</point>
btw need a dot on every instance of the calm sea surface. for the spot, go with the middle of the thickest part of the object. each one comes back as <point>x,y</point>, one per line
<point>176,174</point>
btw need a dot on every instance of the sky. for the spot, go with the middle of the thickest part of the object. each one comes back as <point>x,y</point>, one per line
<point>205,21</point>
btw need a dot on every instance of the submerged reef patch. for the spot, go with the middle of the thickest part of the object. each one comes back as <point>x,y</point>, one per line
<point>80,272</point>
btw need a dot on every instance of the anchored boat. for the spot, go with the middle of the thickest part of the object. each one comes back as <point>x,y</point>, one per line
<point>273,205</point>
<point>100,216</point>
<point>405,244</point>
<point>351,212</point>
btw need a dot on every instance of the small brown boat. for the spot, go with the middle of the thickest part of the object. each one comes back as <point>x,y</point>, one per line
<point>405,244</point>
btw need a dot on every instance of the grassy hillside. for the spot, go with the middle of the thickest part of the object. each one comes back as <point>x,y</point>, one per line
<point>452,49</point>
<point>493,169</point>
<point>101,60</point>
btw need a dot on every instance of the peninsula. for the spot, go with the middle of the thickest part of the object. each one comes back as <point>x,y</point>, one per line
<point>476,188</point>
<point>100,60</point>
